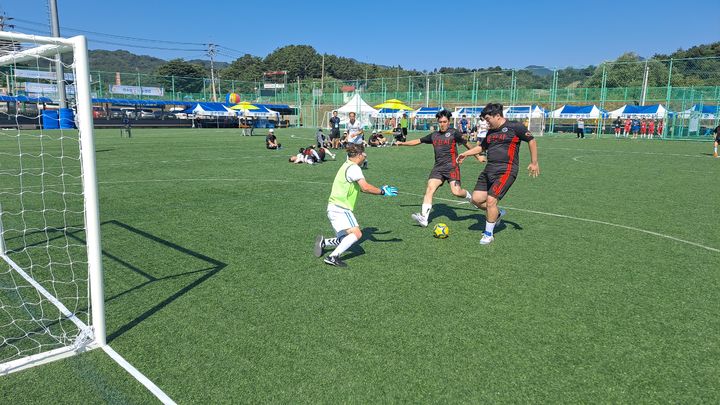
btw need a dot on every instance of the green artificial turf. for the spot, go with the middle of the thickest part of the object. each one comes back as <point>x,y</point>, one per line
<point>603,285</point>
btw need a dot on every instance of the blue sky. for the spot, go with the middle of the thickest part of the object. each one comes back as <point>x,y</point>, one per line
<point>419,35</point>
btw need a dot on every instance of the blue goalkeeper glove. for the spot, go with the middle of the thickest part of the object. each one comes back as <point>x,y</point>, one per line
<point>388,191</point>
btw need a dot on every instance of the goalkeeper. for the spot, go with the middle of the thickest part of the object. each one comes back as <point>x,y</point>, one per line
<point>349,181</point>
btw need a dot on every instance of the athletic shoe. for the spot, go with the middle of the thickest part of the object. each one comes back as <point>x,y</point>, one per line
<point>420,219</point>
<point>487,238</point>
<point>335,261</point>
<point>715,154</point>
<point>319,245</point>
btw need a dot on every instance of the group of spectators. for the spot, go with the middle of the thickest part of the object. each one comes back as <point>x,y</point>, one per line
<point>646,128</point>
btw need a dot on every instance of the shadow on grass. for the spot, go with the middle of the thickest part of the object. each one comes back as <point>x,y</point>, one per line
<point>208,267</point>
<point>451,213</point>
<point>369,233</point>
<point>213,267</point>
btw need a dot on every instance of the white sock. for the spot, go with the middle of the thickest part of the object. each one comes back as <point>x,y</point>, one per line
<point>715,148</point>
<point>489,227</point>
<point>344,244</point>
<point>425,210</point>
<point>468,196</point>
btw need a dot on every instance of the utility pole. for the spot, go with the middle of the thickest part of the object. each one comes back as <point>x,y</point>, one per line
<point>211,54</point>
<point>55,25</point>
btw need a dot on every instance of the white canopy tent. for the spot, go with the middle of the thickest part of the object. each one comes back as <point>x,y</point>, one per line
<point>656,111</point>
<point>362,110</point>
<point>575,112</point>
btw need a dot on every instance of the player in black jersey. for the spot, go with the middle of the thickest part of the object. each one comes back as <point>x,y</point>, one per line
<point>446,168</point>
<point>502,146</point>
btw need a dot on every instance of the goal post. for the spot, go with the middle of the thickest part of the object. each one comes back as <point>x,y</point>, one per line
<point>51,278</point>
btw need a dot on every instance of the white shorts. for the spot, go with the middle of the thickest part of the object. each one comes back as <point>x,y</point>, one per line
<point>341,218</point>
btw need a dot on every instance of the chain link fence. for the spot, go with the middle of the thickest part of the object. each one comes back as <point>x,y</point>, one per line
<point>688,88</point>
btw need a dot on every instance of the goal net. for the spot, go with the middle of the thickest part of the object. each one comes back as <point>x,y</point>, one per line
<point>51,298</point>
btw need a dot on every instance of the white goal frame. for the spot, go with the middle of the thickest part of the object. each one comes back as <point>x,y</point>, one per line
<point>94,335</point>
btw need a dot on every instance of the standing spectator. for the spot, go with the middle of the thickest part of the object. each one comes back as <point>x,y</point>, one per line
<point>628,123</point>
<point>464,126</point>
<point>320,138</point>
<point>271,141</point>
<point>618,124</point>
<point>651,129</point>
<point>335,130</point>
<point>716,131</point>
<point>660,128</point>
<point>580,129</point>
<point>635,128</point>
<point>404,124</point>
<point>356,135</point>
<point>643,128</point>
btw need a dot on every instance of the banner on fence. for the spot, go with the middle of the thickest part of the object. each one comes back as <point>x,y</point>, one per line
<point>136,90</point>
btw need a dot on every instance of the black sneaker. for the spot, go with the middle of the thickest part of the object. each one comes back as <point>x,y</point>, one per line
<point>335,261</point>
<point>319,245</point>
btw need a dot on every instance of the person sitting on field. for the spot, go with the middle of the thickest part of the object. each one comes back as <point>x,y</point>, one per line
<point>377,139</point>
<point>311,156</point>
<point>398,135</point>
<point>271,141</point>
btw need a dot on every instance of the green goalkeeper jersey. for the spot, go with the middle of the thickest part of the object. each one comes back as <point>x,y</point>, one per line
<point>345,188</point>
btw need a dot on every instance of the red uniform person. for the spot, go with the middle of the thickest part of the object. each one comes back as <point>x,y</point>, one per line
<point>643,129</point>
<point>660,128</point>
<point>628,123</point>
<point>651,129</point>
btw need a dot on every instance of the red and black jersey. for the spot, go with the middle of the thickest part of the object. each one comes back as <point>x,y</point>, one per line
<point>502,145</point>
<point>445,145</point>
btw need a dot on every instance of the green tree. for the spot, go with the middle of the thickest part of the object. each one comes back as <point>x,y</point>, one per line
<point>187,77</point>
<point>298,60</point>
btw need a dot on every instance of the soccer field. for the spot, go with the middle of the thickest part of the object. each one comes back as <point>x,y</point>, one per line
<point>603,284</point>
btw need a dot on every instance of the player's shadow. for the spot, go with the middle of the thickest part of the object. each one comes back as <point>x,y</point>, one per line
<point>451,213</point>
<point>370,233</point>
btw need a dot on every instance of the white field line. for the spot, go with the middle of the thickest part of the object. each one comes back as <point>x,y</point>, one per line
<point>551,214</point>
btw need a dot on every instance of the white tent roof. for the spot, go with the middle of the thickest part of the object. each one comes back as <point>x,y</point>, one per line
<point>648,111</point>
<point>357,105</point>
<point>523,111</point>
<point>574,112</point>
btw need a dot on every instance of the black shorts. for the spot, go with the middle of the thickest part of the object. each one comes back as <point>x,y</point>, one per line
<point>445,173</point>
<point>334,134</point>
<point>495,181</point>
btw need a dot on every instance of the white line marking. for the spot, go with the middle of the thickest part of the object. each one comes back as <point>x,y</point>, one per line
<point>699,156</point>
<point>594,221</point>
<point>154,389</point>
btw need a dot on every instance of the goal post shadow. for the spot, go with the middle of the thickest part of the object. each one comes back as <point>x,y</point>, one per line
<point>138,276</point>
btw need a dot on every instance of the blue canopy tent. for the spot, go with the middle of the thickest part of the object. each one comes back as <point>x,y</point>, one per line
<point>426,112</point>
<point>210,109</point>
<point>25,99</point>
<point>524,111</point>
<point>579,111</point>
<point>705,112</point>
<point>655,111</point>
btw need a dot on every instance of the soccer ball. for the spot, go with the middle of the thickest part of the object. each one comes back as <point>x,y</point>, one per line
<point>441,231</point>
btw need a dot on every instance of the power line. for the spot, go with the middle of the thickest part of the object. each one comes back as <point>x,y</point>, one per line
<point>114,36</point>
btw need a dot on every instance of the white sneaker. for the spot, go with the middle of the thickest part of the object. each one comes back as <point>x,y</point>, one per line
<point>420,219</point>
<point>501,214</point>
<point>486,238</point>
